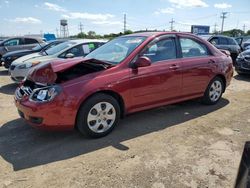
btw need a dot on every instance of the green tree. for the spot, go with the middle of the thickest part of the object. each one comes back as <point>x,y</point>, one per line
<point>248,32</point>
<point>233,33</point>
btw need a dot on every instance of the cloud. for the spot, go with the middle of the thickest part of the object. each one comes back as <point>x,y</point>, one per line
<point>106,22</point>
<point>222,5</point>
<point>188,3</point>
<point>6,2</point>
<point>29,20</point>
<point>168,10</point>
<point>87,16</point>
<point>54,7</point>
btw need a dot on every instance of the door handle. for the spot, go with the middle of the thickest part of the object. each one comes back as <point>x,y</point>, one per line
<point>174,67</point>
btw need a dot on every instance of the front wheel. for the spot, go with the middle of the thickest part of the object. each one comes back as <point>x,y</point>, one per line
<point>98,115</point>
<point>214,91</point>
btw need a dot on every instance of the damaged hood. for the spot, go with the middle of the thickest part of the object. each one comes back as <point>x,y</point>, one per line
<point>45,73</point>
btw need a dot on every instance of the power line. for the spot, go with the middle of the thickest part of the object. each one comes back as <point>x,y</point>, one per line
<point>223,16</point>
<point>172,24</point>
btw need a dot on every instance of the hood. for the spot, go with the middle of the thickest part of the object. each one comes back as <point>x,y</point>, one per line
<point>46,73</point>
<point>17,53</point>
<point>26,58</point>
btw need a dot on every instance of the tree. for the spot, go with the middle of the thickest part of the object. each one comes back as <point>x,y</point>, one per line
<point>91,34</point>
<point>248,32</point>
<point>233,33</point>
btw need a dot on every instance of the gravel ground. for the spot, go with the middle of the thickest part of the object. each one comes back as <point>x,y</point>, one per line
<point>182,145</point>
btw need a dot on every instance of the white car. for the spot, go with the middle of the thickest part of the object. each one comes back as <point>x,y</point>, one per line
<point>74,48</point>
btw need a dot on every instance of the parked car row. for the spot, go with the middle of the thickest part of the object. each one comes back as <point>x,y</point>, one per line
<point>127,74</point>
<point>18,43</point>
<point>69,49</point>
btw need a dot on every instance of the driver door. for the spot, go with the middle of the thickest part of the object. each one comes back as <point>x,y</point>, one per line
<point>161,81</point>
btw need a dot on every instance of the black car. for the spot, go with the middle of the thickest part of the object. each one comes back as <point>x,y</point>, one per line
<point>225,43</point>
<point>9,57</point>
<point>242,65</point>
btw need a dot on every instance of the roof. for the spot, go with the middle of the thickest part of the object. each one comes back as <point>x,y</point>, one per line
<point>157,33</point>
<point>88,40</point>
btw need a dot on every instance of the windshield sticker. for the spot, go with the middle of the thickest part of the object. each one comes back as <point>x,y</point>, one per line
<point>134,41</point>
<point>91,46</point>
<point>86,48</point>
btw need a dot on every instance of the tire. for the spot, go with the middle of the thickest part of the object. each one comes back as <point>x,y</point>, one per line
<point>214,91</point>
<point>98,116</point>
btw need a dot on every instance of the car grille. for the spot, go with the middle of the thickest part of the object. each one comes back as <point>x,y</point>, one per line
<point>12,67</point>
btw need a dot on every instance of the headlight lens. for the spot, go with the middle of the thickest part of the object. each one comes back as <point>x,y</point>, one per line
<point>240,56</point>
<point>28,65</point>
<point>45,94</point>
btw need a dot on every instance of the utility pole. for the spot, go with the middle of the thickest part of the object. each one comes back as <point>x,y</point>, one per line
<point>172,24</point>
<point>244,28</point>
<point>81,27</point>
<point>125,23</point>
<point>215,27</point>
<point>57,34</point>
<point>223,16</point>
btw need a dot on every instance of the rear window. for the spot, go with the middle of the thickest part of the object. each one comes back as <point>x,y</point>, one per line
<point>30,41</point>
<point>223,41</point>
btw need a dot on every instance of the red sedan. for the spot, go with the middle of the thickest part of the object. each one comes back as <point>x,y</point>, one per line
<point>126,75</point>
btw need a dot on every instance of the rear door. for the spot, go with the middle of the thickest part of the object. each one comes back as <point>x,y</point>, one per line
<point>161,81</point>
<point>197,64</point>
<point>29,43</point>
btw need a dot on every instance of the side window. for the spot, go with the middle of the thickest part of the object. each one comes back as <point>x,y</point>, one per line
<point>192,48</point>
<point>223,41</point>
<point>12,42</point>
<point>30,41</point>
<point>214,41</point>
<point>231,41</point>
<point>77,51</point>
<point>239,40</point>
<point>161,50</point>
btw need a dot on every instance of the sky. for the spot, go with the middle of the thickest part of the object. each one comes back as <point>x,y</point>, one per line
<point>19,17</point>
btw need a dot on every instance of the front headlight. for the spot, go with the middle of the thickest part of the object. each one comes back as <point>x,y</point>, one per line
<point>28,65</point>
<point>45,94</point>
<point>240,56</point>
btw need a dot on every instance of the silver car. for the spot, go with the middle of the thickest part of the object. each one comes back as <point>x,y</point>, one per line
<point>70,49</point>
<point>18,43</point>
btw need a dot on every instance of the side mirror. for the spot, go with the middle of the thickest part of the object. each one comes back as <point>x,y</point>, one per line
<point>141,62</point>
<point>69,55</point>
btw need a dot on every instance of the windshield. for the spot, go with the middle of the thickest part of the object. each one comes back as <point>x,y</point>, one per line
<point>39,46</point>
<point>59,47</point>
<point>116,50</point>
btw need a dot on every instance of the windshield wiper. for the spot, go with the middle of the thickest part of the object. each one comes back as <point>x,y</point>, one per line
<point>108,63</point>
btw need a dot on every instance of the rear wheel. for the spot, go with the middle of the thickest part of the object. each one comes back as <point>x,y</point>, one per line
<point>98,115</point>
<point>214,91</point>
